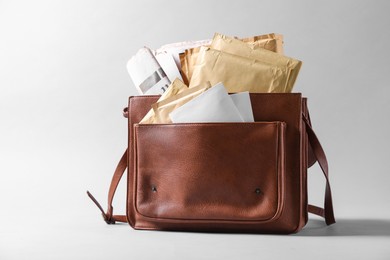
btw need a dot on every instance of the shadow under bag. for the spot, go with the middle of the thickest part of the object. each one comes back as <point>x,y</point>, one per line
<point>221,177</point>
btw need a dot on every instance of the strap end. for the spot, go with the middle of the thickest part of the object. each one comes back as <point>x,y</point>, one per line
<point>107,219</point>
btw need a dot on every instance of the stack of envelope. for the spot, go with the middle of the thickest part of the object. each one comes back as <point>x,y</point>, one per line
<point>203,103</point>
<point>195,77</point>
<point>243,68</point>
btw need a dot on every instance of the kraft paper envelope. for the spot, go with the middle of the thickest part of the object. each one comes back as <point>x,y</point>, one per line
<point>243,103</point>
<point>214,105</point>
<point>163,108</point>
<point>272,42</point>
<point>238,73</point>
<point>233,46</point>
<point>175,88</point>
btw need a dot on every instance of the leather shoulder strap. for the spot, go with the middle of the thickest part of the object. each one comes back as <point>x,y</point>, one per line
<point>108,216</point>
<point>327,211</point>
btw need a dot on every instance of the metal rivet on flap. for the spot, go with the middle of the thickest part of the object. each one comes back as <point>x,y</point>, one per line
<point>154,188</point>
<point>258,191</point>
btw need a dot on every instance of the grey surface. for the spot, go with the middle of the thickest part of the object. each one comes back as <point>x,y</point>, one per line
<point>63,83</point>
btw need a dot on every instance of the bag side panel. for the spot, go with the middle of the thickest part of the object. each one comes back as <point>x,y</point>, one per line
<point>305,165</point>
<point>138,107</point>
<point>287,107</point>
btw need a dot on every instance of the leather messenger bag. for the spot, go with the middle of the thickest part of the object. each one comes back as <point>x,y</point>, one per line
<point>221,177</point>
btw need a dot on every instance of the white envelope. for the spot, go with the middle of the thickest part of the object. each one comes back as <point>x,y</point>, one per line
<point>214,105</point>
<point>244,106</point>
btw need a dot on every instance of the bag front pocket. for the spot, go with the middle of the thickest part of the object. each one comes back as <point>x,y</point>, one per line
<point>209,171</point>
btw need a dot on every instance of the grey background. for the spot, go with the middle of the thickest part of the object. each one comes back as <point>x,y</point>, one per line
<point>63,84</point>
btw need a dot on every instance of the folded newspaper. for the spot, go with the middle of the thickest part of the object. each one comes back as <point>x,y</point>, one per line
<point>147,75</point>
<point>153,70</point>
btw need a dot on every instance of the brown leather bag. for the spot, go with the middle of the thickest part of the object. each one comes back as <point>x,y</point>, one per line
<point>230,177</point>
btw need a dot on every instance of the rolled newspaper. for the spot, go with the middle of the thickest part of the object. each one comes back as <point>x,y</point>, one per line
<point>147,75</point>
